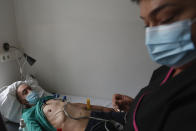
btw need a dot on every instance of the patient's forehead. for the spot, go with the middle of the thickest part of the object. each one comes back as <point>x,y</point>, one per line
<point>22,87</point>
<point>23,90</point>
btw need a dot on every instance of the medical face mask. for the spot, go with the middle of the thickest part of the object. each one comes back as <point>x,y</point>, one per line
<point>32,98</point>
<point>171,45</point>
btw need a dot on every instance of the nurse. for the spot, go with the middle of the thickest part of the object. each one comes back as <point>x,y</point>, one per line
<point>168,103</point>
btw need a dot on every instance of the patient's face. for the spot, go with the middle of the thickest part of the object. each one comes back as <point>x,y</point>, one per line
<point>23,91</point>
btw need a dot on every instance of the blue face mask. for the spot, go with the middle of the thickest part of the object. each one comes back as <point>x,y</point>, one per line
<point>171,45</point>
<point>32,98</point>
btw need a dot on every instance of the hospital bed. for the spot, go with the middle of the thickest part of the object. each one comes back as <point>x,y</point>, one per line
<point>11,109</point>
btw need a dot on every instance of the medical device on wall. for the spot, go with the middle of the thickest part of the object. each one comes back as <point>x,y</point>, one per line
<point>21,57</point>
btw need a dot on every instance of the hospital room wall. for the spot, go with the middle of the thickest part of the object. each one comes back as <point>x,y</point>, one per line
<point>8,71</point>
<point>85,47</point>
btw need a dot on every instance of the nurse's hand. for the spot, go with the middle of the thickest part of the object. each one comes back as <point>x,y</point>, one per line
<point>121,102</point>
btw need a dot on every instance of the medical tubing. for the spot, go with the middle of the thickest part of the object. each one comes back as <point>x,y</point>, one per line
<point>125,118</point>
<point>106,126</point>
<point>96,125</point>
<point>90,117</point>
<point>20,64</point>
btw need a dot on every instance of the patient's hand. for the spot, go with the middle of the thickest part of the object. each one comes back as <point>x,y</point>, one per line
<point>94,107</point>
<point>121,102</point>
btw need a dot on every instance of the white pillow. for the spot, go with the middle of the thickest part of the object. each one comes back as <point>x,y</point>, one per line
<point>10,108</point>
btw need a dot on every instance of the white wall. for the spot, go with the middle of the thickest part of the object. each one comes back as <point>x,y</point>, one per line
<point>8,71</point>
<point>85,47</point>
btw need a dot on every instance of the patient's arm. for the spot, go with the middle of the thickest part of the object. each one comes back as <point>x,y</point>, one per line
<point>94,107</point>
<point>101,108</point>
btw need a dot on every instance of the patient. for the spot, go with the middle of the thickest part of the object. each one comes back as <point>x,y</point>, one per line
<point>48,114</point>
